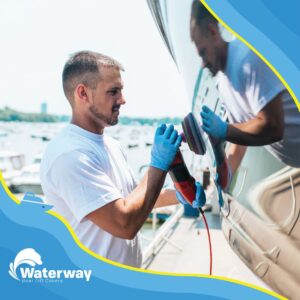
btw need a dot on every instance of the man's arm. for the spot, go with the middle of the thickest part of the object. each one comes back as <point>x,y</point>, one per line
<point>266,128</point>
<point>124,217</point>
<point>166,197</point>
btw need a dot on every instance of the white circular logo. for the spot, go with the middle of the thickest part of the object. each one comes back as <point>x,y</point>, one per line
<point>26,256</point>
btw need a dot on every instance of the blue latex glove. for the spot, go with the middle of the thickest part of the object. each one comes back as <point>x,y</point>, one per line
<point>165,146</point>
<point>200,197</point>
<point>212,124</point>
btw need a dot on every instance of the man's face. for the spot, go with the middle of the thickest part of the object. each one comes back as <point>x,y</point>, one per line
<point>107,98</point>
<point>205,44</point>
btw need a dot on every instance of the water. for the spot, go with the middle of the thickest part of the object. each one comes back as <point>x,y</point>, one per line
<point>19,138</point>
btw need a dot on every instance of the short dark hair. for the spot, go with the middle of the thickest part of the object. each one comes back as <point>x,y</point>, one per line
<point>84,67</point>
<point>201,15</point>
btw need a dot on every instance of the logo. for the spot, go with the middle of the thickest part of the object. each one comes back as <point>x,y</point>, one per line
<point>26,256</point>
<point>30,257</point>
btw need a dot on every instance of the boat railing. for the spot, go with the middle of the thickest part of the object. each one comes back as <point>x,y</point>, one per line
<point>161,235</point>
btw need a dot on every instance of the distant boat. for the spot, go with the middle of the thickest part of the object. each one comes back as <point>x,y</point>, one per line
<point>132,146</point>
<point>46,138</point>
<point>37,159</point>
<point>134,134</point>
<point>11,163</point>
<point>28,179</point>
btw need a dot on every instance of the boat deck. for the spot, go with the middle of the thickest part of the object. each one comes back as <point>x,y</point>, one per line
<point>193,256</point>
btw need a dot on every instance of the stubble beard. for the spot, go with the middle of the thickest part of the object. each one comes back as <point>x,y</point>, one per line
<point>106,121</point>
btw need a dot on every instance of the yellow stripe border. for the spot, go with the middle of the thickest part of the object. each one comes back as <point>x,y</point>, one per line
<point>99,257</point>
<point>256,52</point>
<point>113,263</point>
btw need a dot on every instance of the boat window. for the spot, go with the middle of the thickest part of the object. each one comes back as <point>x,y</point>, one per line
<point>37,161</point>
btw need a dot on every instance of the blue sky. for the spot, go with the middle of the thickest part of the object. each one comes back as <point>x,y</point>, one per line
<point>38,36</point>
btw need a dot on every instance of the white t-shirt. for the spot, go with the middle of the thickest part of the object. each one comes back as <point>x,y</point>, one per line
<point>247,86</point>
<point>81,172</point>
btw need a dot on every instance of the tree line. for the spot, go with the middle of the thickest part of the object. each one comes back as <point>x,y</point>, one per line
<point>8,114</point>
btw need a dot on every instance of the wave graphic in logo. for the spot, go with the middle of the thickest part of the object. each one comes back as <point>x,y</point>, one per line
<point>26,256</point>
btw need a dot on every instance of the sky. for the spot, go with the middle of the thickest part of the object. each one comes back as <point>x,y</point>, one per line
<point>37,37</point>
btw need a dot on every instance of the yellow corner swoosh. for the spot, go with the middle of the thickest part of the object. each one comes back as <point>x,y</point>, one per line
<point>256,52</point>
<point>99,257</point>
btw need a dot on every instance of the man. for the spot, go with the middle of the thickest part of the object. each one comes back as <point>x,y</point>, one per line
<point>84,172</point>
<point>260,110</point>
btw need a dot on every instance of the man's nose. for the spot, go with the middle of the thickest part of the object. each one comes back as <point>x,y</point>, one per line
<point>121,100</point>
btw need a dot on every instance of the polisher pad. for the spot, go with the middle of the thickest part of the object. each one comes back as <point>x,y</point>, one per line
<point>193,135</point>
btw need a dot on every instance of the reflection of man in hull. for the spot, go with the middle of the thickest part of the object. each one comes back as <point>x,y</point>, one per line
<point>85,174</point>
<point>260,110</point>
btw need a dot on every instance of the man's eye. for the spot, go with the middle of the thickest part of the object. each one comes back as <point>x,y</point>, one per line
<point>113,92</point>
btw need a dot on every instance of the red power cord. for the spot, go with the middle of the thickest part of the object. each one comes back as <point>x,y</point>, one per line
<point>209,241</point>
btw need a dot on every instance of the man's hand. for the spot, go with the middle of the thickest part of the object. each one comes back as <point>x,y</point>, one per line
<point>200,198</point>
<point>165,146</point>
<point>212,124</point>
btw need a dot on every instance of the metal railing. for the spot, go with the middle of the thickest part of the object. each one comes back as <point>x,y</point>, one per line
<point>162,233</point>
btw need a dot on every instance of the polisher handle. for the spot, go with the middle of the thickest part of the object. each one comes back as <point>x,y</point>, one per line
<point>183,181</point>
<point>187,189</point>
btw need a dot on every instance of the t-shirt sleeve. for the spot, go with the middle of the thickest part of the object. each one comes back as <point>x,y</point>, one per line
<point>261,84</point>
<point>79,179</point>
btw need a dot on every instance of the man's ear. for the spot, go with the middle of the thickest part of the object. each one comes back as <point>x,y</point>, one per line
<point>213,29</point>
<point>81,93</point>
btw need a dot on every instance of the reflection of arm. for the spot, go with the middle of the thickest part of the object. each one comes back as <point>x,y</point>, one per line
<point>125,216</point>
<point>266,128</point>
<point>235,155</point>
<point>262,91</point>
